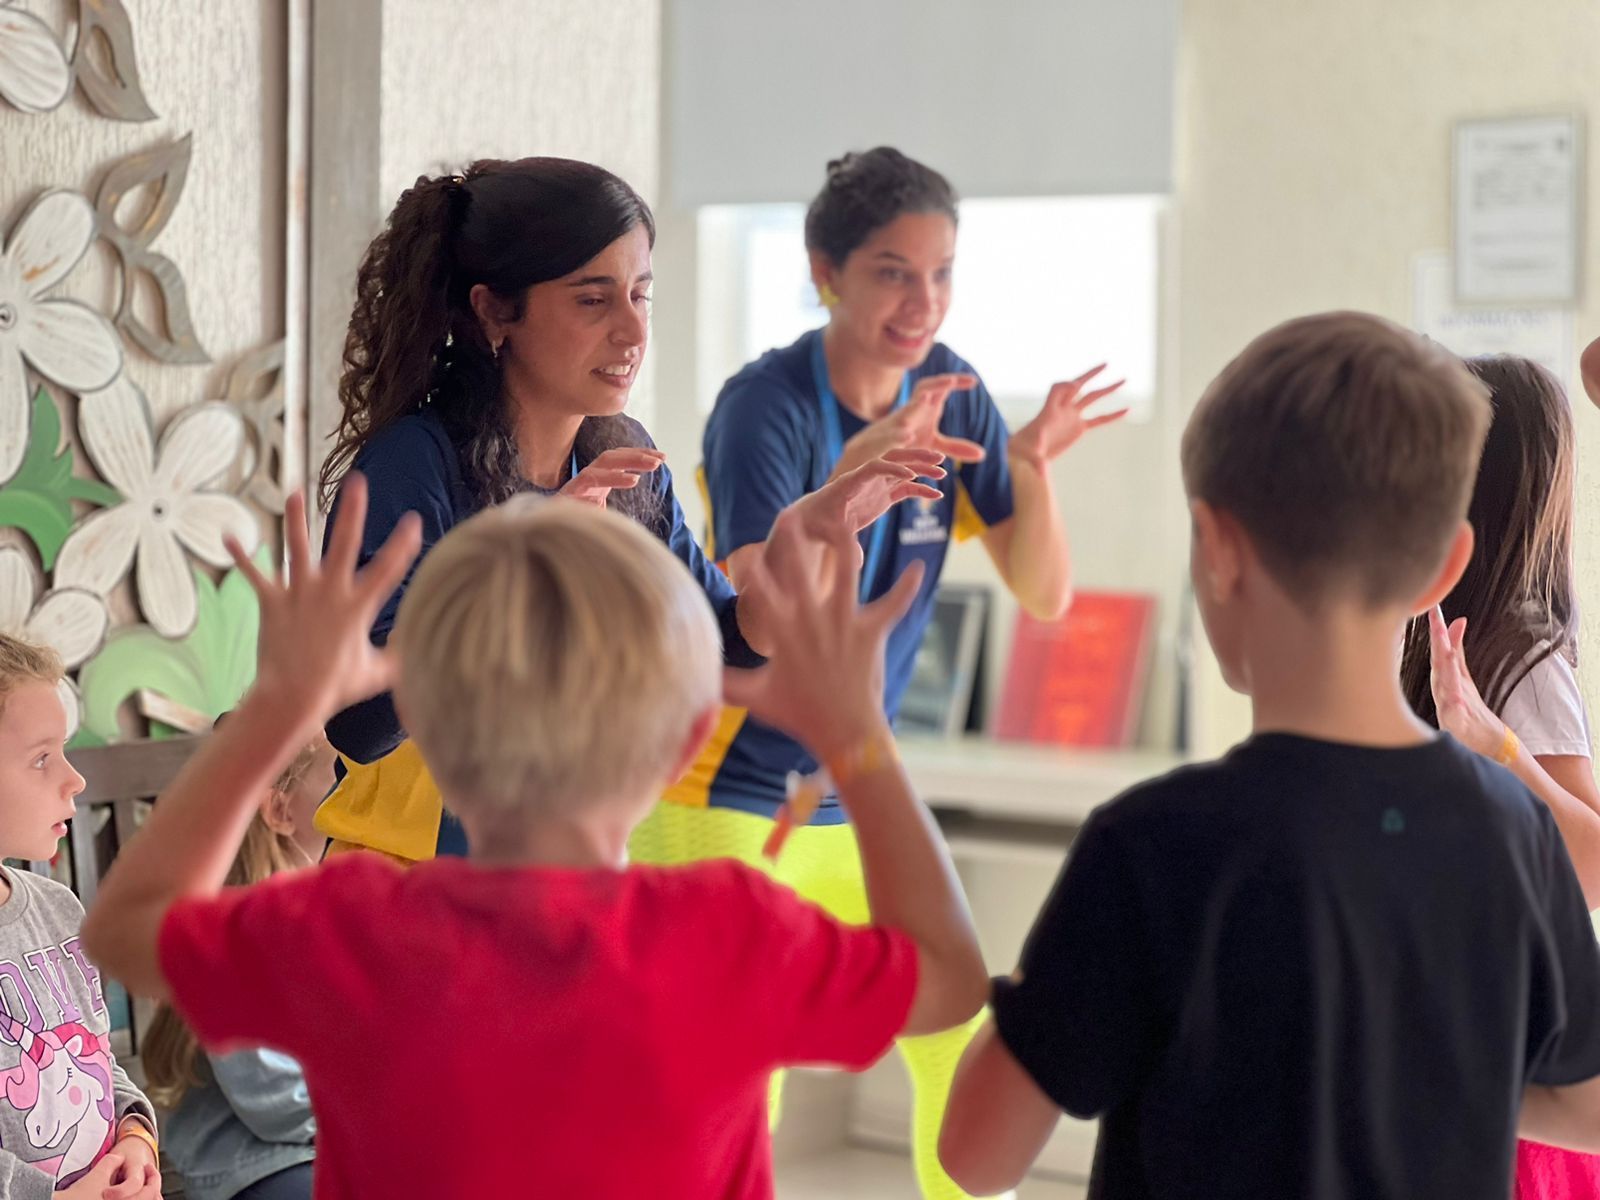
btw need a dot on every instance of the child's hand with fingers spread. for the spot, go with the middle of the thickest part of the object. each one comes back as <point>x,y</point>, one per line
<point>824,679</point>
<point>315,654</point>
<point>1462,711</point>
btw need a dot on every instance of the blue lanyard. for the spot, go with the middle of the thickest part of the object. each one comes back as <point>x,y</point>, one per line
<point>828,404</point>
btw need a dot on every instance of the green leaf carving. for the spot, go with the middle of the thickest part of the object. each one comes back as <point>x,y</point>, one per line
<point>38,498</point>
<point>207,670</point>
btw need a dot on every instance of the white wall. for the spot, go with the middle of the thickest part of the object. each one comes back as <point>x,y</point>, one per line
<point>506,78</point>
<point>222,79</point>
<point>761,95</point>
<point>509,79</point>
<point>1314,153</point>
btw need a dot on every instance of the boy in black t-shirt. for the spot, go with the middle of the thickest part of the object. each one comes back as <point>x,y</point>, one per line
<point>1349,959</point>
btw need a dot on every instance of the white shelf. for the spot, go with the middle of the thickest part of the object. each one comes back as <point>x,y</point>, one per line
<point>1021,782</point>
<point>853,1173</point>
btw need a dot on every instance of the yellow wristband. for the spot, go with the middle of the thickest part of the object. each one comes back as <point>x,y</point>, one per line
<point>1509,749</point>
<point>875,753</point>
<point>135,1127</point>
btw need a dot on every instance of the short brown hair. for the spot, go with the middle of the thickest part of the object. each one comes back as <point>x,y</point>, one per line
<point>1346,447</point>
<point>25,662</point>
<point>552,655</point>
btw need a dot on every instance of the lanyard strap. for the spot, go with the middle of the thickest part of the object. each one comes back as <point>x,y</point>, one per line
<point>832,435</point>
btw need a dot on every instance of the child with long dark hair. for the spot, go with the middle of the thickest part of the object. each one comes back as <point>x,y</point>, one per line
<point>1501,674</point>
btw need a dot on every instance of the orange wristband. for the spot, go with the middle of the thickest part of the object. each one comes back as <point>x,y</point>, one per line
<point>135,1127</point>
<point>1509,749</point>
<point>874,753</point>
<point>877,752</point>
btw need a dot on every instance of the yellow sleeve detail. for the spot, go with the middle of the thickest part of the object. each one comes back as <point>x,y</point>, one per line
<point>968,524</point>
<point>694,789</point>
<point>709,542</point>
<point>391,805</point>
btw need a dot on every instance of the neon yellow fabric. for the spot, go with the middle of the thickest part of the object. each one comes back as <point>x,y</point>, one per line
<point>391,805</point>
<point>822,864</point>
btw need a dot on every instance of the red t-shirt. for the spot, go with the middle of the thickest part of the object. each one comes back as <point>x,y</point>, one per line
<point>467,1031</point>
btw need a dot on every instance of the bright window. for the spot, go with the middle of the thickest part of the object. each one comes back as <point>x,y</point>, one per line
<point>1044,288</point>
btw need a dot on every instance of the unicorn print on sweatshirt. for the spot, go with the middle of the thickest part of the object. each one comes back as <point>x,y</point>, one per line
<point>62,1090</point>
<point>62,1086</point>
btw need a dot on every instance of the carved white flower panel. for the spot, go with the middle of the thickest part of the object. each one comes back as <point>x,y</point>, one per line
<point>71,621</point>
<point>72,702</point>
<point>64,340</point>
<point>34,75</point>
<point>168,508</point>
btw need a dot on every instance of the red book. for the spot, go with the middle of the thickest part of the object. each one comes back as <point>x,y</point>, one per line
<point>1079,681</point>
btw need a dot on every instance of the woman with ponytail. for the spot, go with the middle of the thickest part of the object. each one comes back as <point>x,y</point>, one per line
<point>501,319</point>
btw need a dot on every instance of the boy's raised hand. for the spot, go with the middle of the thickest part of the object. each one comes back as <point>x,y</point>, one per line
<point>823,682</point>
<point>315,651</point>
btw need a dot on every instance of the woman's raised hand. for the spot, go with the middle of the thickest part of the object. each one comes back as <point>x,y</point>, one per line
<point>1064,419</point>
<point>619,469</point>
<point>913,426</point>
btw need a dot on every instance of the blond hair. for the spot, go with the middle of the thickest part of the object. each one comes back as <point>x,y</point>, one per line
<point>26,662</point>
<point>552,655</point>
<point>169,1050</point>
<point>1346,447</point>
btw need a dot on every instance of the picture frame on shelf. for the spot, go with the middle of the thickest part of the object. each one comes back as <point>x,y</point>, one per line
<point>943,698</point>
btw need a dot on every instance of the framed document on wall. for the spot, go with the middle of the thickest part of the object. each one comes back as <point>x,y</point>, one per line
<point>1518,211</point>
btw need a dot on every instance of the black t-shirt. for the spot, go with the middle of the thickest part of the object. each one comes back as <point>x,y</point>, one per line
<point>1310,970</point>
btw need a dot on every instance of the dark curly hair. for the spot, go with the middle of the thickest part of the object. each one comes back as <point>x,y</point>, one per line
<point>414,339</point>
<point>865,192</point>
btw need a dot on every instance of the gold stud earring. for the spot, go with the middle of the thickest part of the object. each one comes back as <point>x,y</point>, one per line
<point>828,296</point>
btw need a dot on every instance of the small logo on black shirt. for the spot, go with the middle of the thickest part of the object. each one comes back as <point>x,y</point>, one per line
<point>1394,821</point>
